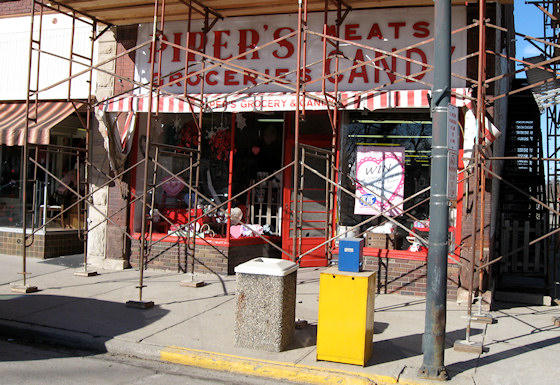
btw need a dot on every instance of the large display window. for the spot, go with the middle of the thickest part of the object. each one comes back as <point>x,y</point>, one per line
<point>55,205</point>
<point>385,158</point>
<point>255,143</point>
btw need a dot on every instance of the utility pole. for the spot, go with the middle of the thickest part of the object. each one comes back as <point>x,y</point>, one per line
<point>433,343</point>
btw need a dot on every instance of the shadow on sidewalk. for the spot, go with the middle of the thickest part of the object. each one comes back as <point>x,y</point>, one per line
<point>488,358</point>
<point>81,323</point>
<point>404,347</point>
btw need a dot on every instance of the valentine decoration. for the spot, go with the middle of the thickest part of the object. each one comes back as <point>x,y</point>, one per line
<point>173,185</point>
<point>380,180</point>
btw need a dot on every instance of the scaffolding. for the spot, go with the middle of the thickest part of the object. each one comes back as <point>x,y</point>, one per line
<point>490,89</point>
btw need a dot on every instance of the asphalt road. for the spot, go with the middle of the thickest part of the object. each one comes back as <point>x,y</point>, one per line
<point>25,363</point>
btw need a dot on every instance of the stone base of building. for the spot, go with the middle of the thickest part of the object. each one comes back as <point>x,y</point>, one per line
<point>46,244</point>
<point>213,255</point>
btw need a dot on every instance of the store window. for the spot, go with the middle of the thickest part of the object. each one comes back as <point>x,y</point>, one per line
<point>257,153</point>
<point>409,134</point>
<point>62,159</point>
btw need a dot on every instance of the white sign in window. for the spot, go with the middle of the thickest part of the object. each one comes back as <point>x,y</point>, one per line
<point>380,180</point>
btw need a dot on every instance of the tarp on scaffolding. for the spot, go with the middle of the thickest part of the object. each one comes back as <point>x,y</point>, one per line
<point>13,116</point>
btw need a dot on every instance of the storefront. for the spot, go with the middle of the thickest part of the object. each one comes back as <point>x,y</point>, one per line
<point>56,134</point>
<point>57,147</point>
<point>247,136</point>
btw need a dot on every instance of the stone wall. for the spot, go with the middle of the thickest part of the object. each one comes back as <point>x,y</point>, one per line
<point>96,215</point>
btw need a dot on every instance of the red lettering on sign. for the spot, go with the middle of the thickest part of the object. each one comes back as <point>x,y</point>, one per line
<point>421,29</point>
<point>174,77</point>
<point>249,78</point>
<point>245,46</point>
<point>423,59</point>
<point>229,78</point>
<point>283,43</point>
<point>193,80</point>
<point>350,32</point>
<point>209,81</point>
<point>176,51</point>
<point>193,38</point>
<point>307,77</point>
<point>331,30</point>
<point>360,72</point>
<point>157,80</point>
<point>389,71</point>
<point>218,44</point>
<point>375,32</point>
<point>397,26</point>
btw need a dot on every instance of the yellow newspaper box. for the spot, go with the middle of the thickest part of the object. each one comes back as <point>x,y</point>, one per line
<point>346,307</point>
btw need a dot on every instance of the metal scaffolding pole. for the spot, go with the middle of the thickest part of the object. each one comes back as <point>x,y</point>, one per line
<point>436,286</point>
<point>143,237</point>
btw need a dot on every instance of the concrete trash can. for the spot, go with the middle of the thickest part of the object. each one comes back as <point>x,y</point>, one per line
<point>266,304</point>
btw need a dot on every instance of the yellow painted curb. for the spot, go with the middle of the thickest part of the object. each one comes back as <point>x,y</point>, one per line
<point>270,369</point>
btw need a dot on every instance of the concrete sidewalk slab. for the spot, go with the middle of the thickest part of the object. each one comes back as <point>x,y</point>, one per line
<point>195,326</point>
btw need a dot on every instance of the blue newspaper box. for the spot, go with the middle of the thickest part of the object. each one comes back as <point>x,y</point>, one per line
<point>351,254</point>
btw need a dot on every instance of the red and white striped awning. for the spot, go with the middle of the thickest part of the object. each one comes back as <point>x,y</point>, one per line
<point>277,101</point>
<point>49,114</point>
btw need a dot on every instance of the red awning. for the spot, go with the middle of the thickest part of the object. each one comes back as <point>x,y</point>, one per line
<point>279,101</point>
<point>12,121</point>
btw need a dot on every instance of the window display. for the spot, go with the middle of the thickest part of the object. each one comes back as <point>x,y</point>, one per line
<point>375,147</point>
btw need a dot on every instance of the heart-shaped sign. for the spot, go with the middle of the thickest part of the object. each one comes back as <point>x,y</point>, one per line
<point>236,231</point>
<point>173,185</point>
<point>255,150</point>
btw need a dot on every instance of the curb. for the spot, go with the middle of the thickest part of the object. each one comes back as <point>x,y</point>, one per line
<point>78,340</point>
<point>286,371</point>
<point>270,369</point>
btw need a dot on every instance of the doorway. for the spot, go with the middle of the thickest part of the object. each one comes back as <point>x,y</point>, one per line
<point>314,203</point>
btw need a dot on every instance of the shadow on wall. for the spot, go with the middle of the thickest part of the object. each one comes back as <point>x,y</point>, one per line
<point>77,322</point>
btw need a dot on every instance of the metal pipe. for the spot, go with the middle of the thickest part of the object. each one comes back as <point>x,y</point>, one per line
<point>230,176</point>
<point>480,115</point>
<point>296,135</point>
<point>192,240</point>
<point>23,186</point>
<point>436,275</point>
<point>82,213</point>
<point>482,236</point>
<point>147,154</point>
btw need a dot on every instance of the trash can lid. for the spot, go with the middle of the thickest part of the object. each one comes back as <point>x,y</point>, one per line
<point>267,266</point>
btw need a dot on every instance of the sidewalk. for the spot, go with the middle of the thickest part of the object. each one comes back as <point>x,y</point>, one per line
<point>195,326</point>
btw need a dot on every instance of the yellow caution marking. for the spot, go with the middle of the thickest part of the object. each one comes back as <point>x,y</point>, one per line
<point>270,369</point>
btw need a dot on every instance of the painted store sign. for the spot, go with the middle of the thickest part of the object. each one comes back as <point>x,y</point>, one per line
<point>398,30</point>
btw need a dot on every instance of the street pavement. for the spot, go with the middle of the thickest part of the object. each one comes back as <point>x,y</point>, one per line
<point>195,326</point>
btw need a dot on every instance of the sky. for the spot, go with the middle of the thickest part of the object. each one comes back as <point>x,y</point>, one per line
<point>528,21</point>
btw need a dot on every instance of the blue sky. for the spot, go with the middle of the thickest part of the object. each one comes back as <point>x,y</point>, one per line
<point>529,21</point>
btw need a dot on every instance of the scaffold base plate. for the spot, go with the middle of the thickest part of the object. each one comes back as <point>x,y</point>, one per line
<point>82,273</point>
<point>140,304</point>
<point>23,289</point>
<point>192,283</point>
<point>483,319</point>
<point>468,347</point>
